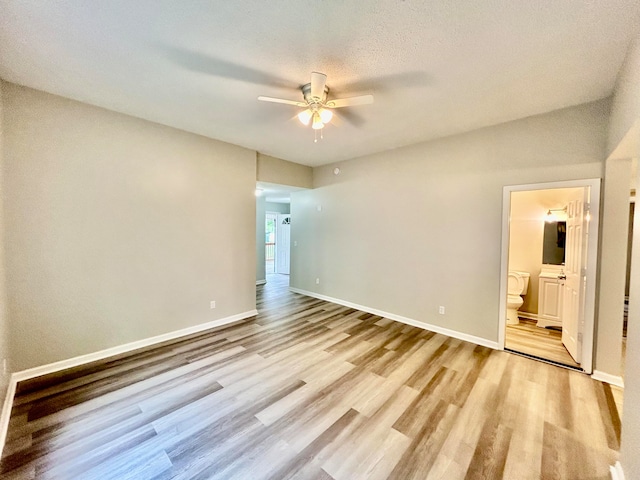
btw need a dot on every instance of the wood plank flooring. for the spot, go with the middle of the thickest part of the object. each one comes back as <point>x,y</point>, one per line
<point>546,343</point>
<point>313,390</point>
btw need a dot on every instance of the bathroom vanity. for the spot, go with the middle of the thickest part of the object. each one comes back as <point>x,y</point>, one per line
<point>551,278</point>
<point>550,294</point>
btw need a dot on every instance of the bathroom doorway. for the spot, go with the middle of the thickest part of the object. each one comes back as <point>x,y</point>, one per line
<point>549,256</point>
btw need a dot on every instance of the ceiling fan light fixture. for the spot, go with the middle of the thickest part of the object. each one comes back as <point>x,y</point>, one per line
<point>305,116</point>
<point>326,115</point>
<point>317,108</point>
<point>317,122</point>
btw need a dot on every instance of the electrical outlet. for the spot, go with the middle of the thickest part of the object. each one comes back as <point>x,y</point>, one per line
<point>213,304</point>
<point>319,208</point>
<point>441,310</point>
<point>295,243</point>
<point>317,281</point>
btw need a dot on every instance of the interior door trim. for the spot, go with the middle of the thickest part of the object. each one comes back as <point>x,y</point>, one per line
<point>592,260</point>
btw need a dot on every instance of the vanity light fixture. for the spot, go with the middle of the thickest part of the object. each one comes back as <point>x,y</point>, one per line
<point>551,216</point>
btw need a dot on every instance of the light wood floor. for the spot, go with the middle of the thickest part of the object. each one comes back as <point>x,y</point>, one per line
<point>545,343</point>
<point>312,390</point>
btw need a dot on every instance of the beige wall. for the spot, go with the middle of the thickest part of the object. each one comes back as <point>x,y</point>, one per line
<point>526,234</point>
<point>627,279</point>
<point>281,172</point>
<point>526,228</point>
<point>613,252</point>
<point>118,229</point>
<point>625,108</point>
<point>4,329</point>
<point>260,234</point>
<point>624,142</point>
<point>408,230</point>
<point>630,445</point>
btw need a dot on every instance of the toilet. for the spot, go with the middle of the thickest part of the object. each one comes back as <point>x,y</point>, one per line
<point>517,285</point>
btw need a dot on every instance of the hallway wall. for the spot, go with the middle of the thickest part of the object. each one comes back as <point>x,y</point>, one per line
<point>624,142</point>
<point>408,230</point>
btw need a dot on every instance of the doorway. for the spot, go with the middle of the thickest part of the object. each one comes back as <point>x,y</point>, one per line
<point>549,255</point>
<point>277,243</point>
<point>272,201</point>
<point>271,220</point>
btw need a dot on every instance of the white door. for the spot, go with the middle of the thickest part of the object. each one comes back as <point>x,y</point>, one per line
<point>575,270</point>
<point>283,236</point>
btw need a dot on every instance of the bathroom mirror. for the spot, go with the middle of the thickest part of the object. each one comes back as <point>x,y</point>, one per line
<point>553,244</point>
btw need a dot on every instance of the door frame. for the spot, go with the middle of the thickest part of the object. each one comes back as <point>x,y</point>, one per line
<point>592,260</point>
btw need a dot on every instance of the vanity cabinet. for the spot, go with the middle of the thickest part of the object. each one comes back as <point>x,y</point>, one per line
<point>550,294</point>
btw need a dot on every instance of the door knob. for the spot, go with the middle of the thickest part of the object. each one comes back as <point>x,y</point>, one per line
<point>562,277</point>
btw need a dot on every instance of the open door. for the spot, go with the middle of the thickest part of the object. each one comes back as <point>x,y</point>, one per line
<point>283,239</point>
<point>576,279</point>
<point>573,319</point>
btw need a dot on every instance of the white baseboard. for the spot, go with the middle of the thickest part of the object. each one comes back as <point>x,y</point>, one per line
<point>127,347</point>
<point>260,282</point>
<point>616,380</point>
<point>616,472</point>
<point>100,355</point>
<point>409,321</point>
<point>527,315</point>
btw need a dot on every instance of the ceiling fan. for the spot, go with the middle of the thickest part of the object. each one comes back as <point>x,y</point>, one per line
<point>317,108</point>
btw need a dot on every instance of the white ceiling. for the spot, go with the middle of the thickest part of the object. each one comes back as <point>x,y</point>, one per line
<point>435,68</point>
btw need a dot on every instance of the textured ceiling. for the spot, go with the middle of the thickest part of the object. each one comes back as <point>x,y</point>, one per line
<point>435,68</point>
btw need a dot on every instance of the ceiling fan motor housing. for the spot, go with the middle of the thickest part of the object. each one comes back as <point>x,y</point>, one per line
<point>306,91</point>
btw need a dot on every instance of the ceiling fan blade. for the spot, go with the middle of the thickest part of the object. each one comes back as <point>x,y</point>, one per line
<point>350,102</point>
<point>282,100</point>
<point>318,82</point>
<point>203,63</point>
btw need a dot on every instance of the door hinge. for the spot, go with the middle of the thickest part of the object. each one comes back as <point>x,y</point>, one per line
<point>580,337</point>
